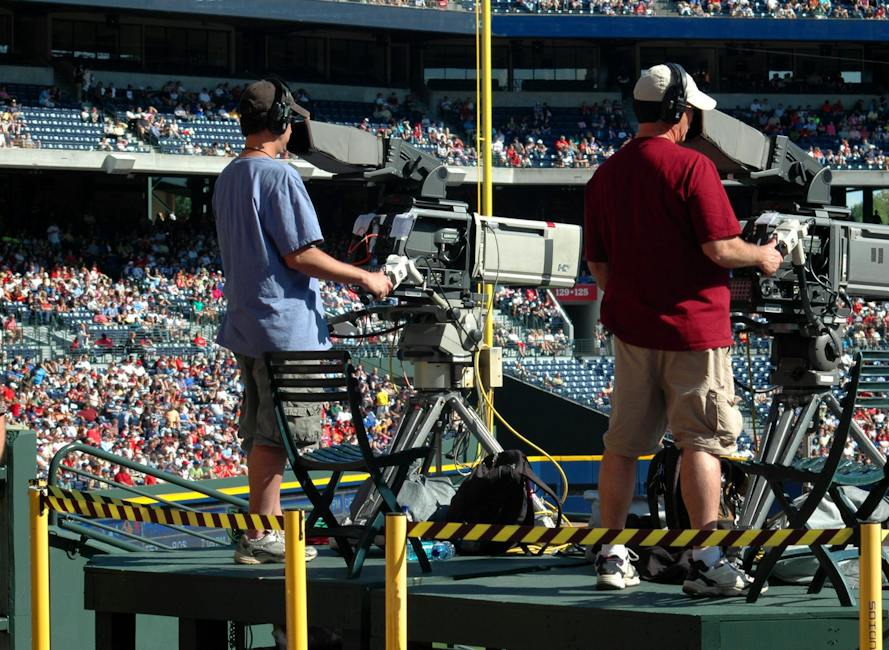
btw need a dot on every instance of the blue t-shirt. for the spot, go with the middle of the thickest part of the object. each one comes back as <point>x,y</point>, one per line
<point>262,214</point>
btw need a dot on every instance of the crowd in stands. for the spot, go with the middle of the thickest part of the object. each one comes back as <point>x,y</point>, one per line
<point>834,134</point>
<point>13,129</point>
<point>534,324</point>
<point>174,119</point>
<point>787,9</point>
<point>176,412</point>
<point>527,138</point>
<point>600,7</point>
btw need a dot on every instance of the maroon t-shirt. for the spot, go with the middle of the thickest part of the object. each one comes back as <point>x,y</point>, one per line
<point>648,209</point>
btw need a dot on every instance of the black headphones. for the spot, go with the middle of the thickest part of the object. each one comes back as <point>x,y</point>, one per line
<point>280,112</point>
<point>675,102</point>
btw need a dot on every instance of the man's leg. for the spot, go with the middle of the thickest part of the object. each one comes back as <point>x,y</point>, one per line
<point>265,471</point>
<point>705,424</point>
<point>617,482</point>
<point>701,481</point>
<point>637,423</point>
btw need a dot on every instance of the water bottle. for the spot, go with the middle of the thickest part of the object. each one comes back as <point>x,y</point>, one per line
<point>435,550</point>
<point>427,545</point>
<point>443,550</point>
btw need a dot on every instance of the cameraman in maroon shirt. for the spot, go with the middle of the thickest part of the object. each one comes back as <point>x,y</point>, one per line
<point>661,236</point>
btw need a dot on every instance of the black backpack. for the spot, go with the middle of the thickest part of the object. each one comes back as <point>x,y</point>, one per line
<point>662,484</point>
<point>498,492</point>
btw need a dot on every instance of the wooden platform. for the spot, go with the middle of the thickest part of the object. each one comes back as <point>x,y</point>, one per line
<point>518,603</point>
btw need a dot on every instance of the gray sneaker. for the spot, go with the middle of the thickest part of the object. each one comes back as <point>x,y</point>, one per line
<point>722,579</point>
<point>616,572</point>
<point>266,549</point>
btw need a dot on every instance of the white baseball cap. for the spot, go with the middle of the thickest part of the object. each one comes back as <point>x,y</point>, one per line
<point>654,83</point>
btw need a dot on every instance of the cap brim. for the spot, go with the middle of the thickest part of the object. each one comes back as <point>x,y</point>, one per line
<point>701,101</point>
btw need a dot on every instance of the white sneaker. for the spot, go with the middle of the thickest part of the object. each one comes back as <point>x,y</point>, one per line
<point>266,549</point>
<point>721,579</point>
<point>616,572</point>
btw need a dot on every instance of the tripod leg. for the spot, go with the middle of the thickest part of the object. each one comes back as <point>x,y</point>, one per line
<point>759,499</point>
<point>422,414</point>
<point>861,439</point>
<point>789,434</point>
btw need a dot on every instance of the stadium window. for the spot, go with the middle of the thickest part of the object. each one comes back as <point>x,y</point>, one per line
<point>400,64</point>
<point>106,42</point>
<point>204,50</point>
<point>97,41</point>
<point>297,56</point>
<point>217,49</point>
<point>5,33</point>
<point>554,63</point>
<point>62,38</point>
<point>85,40</point>
<point>357,61</point>
<point>155,45</point>
<point>196,46</point>
<point>130,42</point>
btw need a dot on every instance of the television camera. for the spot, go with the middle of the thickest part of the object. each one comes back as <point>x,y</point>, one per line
<point>829,259</point>
<point>436,252</point>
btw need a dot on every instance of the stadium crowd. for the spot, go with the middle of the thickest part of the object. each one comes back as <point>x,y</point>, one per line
<point>788,9</point>
<point>834,134</point>
<point>177,412</point>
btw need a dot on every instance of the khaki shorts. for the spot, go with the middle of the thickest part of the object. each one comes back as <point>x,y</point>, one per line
<point>691,391</point>
<point>258,425</point>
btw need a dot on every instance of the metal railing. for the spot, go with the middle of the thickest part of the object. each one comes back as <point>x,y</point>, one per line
<point>110,534</point>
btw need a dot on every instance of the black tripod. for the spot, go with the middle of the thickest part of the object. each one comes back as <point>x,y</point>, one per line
<point>805,374</point>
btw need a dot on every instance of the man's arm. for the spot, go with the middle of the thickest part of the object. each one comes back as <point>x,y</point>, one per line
<point>316,263</point>
<point>735,253</point>
<point>600,272</point>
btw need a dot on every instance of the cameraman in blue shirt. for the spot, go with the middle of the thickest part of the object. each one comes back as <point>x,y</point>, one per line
<point>268,235</point>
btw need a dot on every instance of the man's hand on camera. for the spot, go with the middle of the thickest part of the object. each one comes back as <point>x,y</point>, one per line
<point>770,258</point>
<point>377,284</point>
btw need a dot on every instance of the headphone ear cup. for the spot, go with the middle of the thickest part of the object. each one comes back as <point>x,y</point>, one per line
<point>279,112</point>
<point>668,107</point>
<point>274,118</point>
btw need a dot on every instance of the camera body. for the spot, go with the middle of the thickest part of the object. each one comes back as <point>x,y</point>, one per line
<point>453,250</point>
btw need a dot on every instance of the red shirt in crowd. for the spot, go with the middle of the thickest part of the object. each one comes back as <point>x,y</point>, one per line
<point>123,476</point>
<point>648,209</point>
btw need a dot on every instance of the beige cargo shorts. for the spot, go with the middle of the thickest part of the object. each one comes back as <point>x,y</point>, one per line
<point>258,425</point>
<point>692,392</point>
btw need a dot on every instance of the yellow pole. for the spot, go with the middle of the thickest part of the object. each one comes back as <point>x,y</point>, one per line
<point>396,581</point>
<point>295,580</point>
<point>478,105</point>
<point>487,207</point>
<point>870,614</point>
<point>487,126</point>
<point>39,572</point>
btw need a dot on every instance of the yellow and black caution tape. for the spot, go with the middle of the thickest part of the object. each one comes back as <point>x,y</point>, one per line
<point>638,537</point>
<point>98,507</point>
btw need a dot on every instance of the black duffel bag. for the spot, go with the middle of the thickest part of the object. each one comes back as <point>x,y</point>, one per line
<point>498,492</point>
